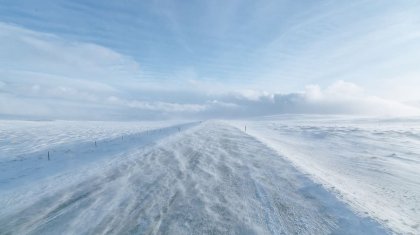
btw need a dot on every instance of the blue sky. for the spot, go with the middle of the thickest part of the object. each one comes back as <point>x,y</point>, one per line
<point>197,53</point>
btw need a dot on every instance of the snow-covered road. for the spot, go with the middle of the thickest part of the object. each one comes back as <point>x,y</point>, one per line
<point>209,179</point>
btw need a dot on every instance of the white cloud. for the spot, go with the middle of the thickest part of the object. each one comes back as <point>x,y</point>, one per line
<point>44,76</point>
<point>157,106</point>
<point>341,88</point>
<point>339,98</point>
<point>313,92</point>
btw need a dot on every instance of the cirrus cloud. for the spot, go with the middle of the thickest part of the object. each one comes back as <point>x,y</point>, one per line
<point>45,76</point>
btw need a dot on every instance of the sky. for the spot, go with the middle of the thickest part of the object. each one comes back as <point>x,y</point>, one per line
<point>86,59</point>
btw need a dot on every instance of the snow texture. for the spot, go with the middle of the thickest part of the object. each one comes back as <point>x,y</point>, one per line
<point>372,164</point>
<point>168,178</point>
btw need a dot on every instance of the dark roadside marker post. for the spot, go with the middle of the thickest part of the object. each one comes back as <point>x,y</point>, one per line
<point>48,155</point>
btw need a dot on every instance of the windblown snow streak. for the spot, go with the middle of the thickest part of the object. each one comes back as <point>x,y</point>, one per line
<point>209,179</point>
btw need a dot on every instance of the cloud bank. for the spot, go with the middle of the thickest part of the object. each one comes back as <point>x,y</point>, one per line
<point>45,76</point>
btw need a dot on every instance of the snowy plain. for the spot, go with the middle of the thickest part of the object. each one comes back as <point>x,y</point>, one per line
<point>282,175</point>
<point>372,164</point>
<point>24,145</point>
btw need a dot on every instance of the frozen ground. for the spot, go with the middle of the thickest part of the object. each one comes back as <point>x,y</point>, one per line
<point>26,145</point>
<point>371,164</point>
<point>179,178</point>
<point>20,137</point>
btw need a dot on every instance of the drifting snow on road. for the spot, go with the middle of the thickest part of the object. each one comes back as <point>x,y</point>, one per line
<point>208,179</point>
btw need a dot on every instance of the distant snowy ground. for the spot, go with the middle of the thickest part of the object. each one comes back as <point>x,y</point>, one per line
<point>189,178</point>
<point>20,137</point>
<point>25,145</point>
<point>372,164</point>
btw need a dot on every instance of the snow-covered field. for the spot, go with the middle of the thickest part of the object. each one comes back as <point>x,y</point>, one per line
<point>26,145</point>
<point>371,164</point>
<point>284,175</point>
